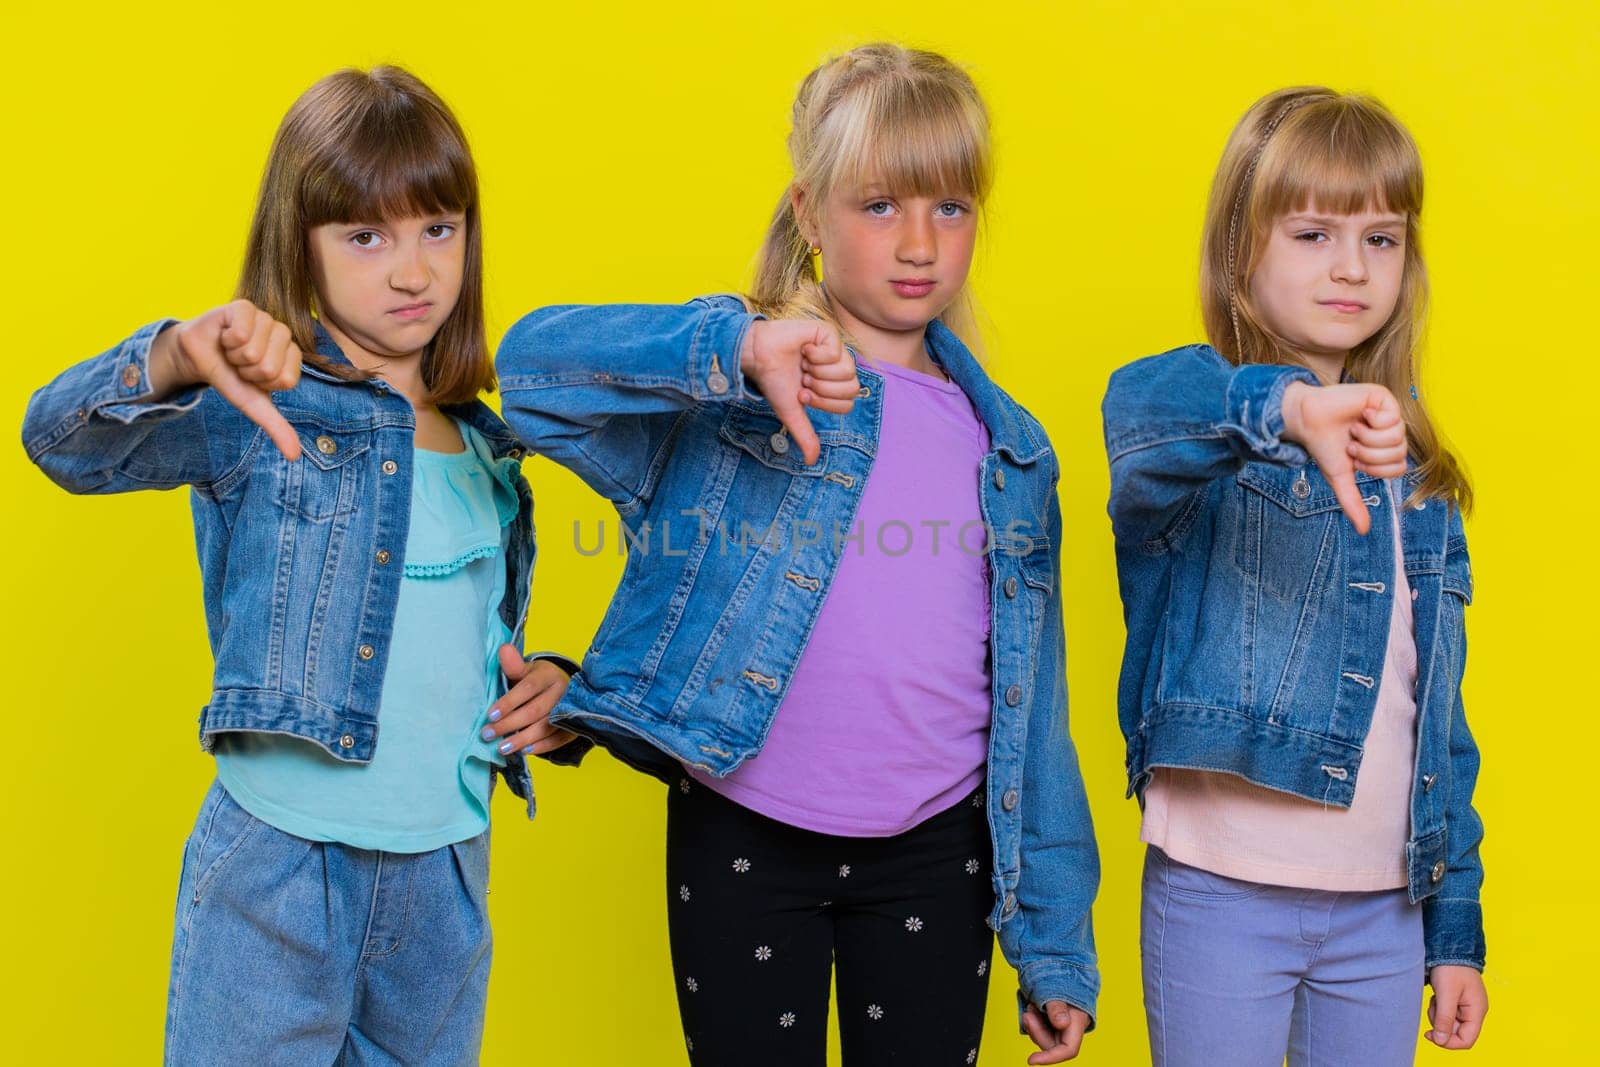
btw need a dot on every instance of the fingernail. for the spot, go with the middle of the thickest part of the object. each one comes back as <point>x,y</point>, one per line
<point>494,714</point>
<point>528,751</point>
<point>487,734</point>
<point>505,747</point>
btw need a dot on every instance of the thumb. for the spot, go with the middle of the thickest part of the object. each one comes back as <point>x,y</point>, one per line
<point>512,663</point>
<point>1060,1014</point>
<point>1442,1013</point>
<point>1348,494</point>
<point>792,414</point>
<point>258,407</point>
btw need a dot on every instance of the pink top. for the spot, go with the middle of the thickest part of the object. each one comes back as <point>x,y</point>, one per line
<point>1224,824</point>
<point>886,721</point>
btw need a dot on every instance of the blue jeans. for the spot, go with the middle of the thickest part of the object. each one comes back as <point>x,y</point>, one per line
<point>288,951</point>
<point>1241,973</point>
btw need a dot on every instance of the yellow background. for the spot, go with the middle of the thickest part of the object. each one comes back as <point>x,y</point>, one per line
<point>633,153</point>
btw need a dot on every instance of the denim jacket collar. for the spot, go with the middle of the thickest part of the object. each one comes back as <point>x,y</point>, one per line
<point>502,442</point>
<point>1008,431</point>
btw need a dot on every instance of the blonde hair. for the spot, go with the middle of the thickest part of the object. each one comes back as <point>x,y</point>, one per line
<point>1310,147</point>
<point>908,119</point>
<point>363,146</point>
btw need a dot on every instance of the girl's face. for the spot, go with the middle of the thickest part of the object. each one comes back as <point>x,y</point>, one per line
<point>1327,282</point>
<point>892,263</point>
<point>388,286</point>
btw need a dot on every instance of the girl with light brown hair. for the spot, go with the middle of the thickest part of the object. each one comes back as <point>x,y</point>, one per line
<point>1294,578</point>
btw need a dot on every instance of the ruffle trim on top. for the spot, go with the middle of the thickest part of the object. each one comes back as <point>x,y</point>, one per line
<point>440,570</point>
<point>460,504</point>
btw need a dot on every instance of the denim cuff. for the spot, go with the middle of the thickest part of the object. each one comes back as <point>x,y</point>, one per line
<point>1452,932</point>
<point>714,372</point>
<point>126,395</point>
<point>1254,406</point>
<point>1045,980</point>
<point>570,754</point>
<point>569,666</point>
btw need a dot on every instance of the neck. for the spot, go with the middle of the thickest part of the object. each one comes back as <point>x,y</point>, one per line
<point>403,373</point>
<point>903,348</point>
<point>1327,366</point>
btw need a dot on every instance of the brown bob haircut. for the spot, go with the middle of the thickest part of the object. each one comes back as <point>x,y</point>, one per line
<point>365,146</point>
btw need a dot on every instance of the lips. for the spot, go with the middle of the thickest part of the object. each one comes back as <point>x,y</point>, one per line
<point>411,311</point>
<point>1344,307</point>
<point>913,287</point>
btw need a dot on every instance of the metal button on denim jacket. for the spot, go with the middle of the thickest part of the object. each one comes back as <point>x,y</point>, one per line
<point>733,543</point>
<point>1258,618</point>
<point>300,562</point>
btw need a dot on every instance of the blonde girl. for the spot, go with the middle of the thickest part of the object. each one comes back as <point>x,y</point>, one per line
<point>838,635</point>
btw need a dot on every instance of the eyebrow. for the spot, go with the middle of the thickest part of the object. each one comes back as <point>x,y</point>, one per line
<point>1329,221</point>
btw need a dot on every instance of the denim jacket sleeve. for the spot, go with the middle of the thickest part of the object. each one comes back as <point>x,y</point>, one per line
<point>1452,918</point>
<point>1176,422</point>
<point>599,389</point>
<point>1050,938</point>
<point>95,428</point>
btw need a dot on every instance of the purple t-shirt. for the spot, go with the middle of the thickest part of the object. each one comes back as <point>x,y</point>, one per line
<point>886,721</point>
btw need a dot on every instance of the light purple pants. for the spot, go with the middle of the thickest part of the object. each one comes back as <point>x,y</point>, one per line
<point>1242,974</point>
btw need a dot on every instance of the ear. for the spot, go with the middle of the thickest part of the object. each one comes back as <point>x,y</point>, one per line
<point>800,204</point>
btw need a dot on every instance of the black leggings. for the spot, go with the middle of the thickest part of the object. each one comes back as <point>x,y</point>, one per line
<point>759,912</point>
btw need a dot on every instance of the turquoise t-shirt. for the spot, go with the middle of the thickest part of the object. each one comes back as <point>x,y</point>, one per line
<point>428,783</point>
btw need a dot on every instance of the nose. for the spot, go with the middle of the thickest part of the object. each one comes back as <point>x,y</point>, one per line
<point>918,242</point>
<point>1350,266</point>
<point>409,272</point>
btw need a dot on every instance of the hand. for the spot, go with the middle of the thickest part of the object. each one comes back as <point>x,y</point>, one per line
<point>1457,1007</point>
<point>1347,428</point>
<point>1058,1031</point>
<point>800,363</point>
<point>241,352</point>
<point>522,715</point>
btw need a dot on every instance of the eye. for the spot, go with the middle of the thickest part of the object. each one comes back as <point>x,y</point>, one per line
<point>1382,240</point>
<point>950,209</point>
<point>440,230</point>
<point>879,209</point>
<point>1311,236</point>
<point>365,239</point>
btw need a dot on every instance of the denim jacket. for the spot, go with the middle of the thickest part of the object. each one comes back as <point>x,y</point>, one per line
<point>647,404</point>
<point>300,562</point>
<point>1258,619</point>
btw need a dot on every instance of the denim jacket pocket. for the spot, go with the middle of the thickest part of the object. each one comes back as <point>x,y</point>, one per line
<point>1458,579</point>
<point>323,483</point>
<point>759,434</point>
<point>1036,561</point>
<point>1289,540</point>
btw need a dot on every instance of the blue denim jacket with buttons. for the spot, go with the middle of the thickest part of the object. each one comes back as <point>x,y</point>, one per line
<point>300,562</point>
<point>1258,619</point>
<point>647,404</point>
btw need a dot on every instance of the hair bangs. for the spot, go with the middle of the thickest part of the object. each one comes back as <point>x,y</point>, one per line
<point>912,138</point>
<point>394,159</point>
<point>1343,156</point>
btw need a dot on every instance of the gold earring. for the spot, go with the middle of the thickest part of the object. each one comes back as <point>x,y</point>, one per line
<point>816,250</point>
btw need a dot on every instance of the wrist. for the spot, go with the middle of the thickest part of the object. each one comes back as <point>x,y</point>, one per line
<point>1294,396</point>
<point>747,349</point>
<point>168,370</point>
